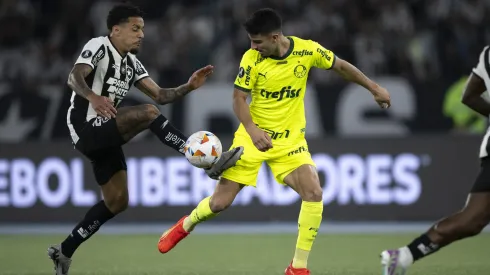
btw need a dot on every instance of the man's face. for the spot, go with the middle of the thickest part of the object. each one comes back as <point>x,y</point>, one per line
<point>131,34</point>
<point>265,44</point>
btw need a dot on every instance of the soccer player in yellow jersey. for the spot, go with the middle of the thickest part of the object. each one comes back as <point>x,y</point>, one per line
<point>274,73</point>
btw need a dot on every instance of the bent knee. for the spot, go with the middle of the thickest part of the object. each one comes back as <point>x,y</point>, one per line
<point>118,202</point>
<point>314,194</point>
<point>473,228</point>
<point>151,111</point>
<point>219,203</point>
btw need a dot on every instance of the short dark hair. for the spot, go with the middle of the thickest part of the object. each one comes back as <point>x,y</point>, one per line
<point>263,21</point>
<point>121,13</point>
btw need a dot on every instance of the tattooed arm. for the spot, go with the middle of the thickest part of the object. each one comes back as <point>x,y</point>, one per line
<point>76,80</point>
<point>162,95</point>
<point>168,95</point>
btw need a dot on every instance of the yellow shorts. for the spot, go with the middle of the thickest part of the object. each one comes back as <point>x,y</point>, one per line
<point>282,159</point>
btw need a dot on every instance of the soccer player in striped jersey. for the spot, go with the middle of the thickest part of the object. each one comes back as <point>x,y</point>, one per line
<point>101,77</point>
<point>475,215</point>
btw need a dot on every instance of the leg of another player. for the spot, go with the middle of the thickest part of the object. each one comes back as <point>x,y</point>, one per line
<point>306,183</point>
<point>133,120</point>
<point>115,193</point>
<point>468,222</point>
<point>223,196</point>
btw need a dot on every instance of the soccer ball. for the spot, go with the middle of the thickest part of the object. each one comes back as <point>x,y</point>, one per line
<point>203,149</point>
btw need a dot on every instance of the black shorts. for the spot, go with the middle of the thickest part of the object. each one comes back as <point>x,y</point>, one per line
<point>100,141</point>
<point>482,182</point>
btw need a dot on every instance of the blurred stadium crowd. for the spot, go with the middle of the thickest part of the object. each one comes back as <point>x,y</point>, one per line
<point>40,39</point>
<point>433,43</point>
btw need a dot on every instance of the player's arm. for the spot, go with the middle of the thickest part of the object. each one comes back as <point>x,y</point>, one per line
<point>241,108</point>
<point>244,84</point>
<point>326,59</point>
<point>162,95</point>
<point>472,98</point>
<point>475,86</point>
<point>351,73</point>
<point>91,54</point>
<point>76,80</point>
<point>167,95</point>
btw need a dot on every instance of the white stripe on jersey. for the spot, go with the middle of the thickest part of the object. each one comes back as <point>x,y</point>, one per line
<point>112,76</point>
<point>73,133</point>
<point>482,69</point>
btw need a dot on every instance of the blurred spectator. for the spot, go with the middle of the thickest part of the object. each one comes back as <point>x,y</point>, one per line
<point>420,39</point>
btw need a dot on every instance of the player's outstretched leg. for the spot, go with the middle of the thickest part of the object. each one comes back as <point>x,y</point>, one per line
<point>172,137</point>
<point>466,223</point>
<point>304,180</point>
<point>115,194</point>
<point>208,208</point>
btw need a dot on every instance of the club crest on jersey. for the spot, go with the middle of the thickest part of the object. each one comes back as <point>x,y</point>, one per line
<point>300,71</point>
<point>86,54</point>
<point>129,73</point>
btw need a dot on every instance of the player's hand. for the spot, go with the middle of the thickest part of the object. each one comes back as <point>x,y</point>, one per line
<point>103,106</point>
<point>382,97</point>
<point>198,78</point>
<point>261,139</point>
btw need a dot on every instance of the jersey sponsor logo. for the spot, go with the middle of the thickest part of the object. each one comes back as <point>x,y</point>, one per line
<point>118,87</point>
<point>285,92</point>
<point>300,150</point>
<point>324,54</point>
<point>139,68</point>
<point>276,135</point>
<point>86,54</point>
<point>241,72</point>
<point>98,56</point>
<point>300,71</point>
<point>302,53</point>
<point>247,75</point>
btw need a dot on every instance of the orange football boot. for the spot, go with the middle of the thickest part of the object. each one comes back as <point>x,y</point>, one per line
<point>296,271</point>
<point>172,237</point>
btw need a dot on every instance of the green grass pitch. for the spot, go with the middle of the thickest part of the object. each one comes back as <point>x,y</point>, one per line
<point>236,254</point>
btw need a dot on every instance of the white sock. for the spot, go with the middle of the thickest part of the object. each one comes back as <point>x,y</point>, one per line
<point>405,258</point>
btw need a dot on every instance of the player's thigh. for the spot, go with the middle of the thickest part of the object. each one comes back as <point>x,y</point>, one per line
<point>106,163</point>
<point>246,170</point>
<point>294,167</point>
<point>478,202</point>
<point>98,134</point>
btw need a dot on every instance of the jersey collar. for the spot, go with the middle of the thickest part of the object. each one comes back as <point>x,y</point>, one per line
<point>291,47</point>
<point>115,49</point>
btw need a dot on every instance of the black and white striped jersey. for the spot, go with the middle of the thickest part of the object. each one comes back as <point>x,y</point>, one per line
<point>482,69</point>
<point>112,76</point>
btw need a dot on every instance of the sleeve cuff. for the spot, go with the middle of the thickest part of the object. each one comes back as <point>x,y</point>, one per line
<point>333,62</point>
<point>86,63</point>
<point>242,89</point>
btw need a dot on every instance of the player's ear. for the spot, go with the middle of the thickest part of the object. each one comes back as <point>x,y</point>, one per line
<point>275,37</point>
<point>116,30</point>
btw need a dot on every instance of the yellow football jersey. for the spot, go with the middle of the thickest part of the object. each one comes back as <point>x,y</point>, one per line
<point>278,86</point>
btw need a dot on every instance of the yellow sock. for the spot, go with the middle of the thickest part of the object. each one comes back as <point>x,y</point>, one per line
<point>201,213</point>
<point>310,218</point>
